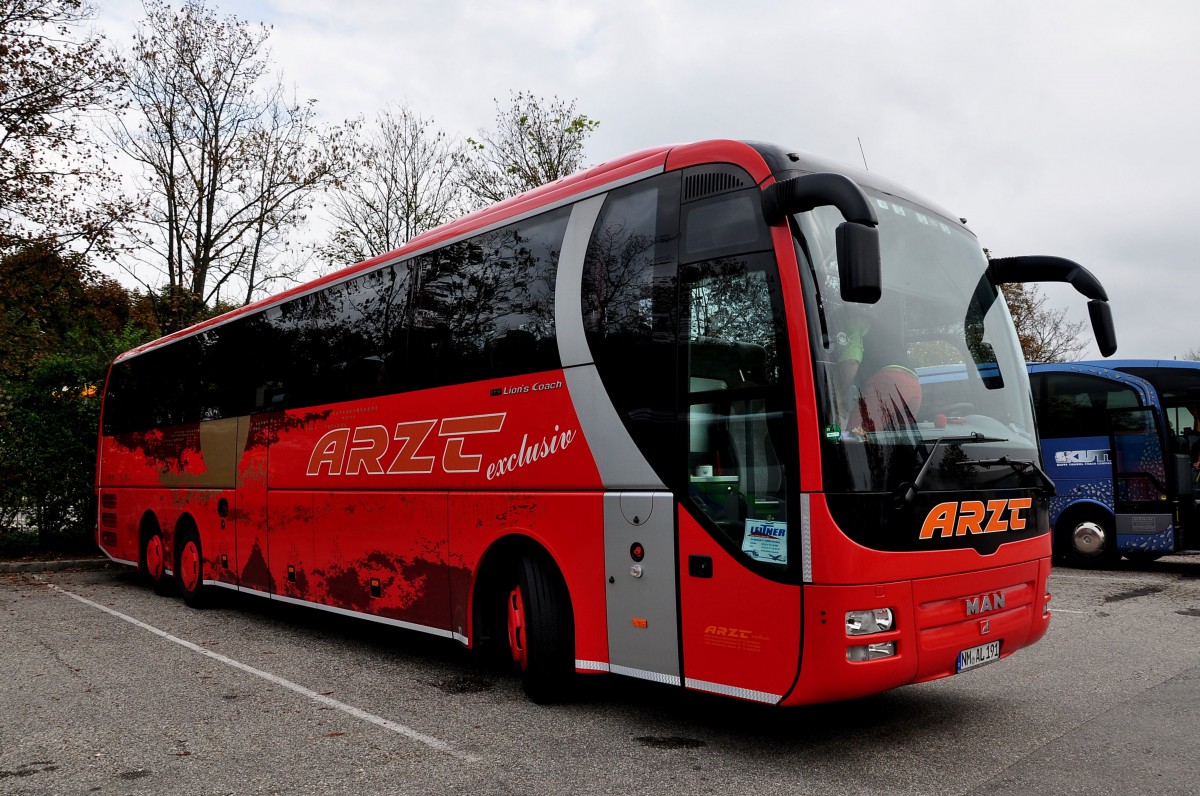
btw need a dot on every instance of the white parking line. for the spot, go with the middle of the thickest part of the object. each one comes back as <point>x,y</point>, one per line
<point>400,729</point>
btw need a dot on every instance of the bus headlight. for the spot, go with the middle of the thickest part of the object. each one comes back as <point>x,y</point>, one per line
<point>871,652</point>
<point>864,623</point>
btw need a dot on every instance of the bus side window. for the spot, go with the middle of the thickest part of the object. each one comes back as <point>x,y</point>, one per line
<point>738,404</point>
<point>627,296</point>
<point>484,307</point>
<point>1077,405</point>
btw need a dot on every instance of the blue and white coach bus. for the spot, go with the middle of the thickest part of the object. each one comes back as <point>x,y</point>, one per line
<point>1120,439</point>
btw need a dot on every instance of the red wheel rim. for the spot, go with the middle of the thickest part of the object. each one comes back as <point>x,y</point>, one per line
<point>189,565</point>
<point>516,628</point>
<point>154,557</point>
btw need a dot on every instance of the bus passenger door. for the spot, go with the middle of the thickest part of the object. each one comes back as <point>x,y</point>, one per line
<point>738,548</point>
<point>1144,513</point>
<point>739,522</point>
<point>639,558</point>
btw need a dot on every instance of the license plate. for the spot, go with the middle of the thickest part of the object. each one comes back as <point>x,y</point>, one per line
<point>978,656</point>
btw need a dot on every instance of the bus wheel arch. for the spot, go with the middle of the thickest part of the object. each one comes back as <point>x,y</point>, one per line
<point>189,562</point>
<point>523,617</point>
<point>1085,536</point>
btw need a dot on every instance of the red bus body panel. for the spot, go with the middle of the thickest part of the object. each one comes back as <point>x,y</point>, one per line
<point>385,508</point>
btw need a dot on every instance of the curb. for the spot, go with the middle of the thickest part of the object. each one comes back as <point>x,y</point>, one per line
<point>53,566</point>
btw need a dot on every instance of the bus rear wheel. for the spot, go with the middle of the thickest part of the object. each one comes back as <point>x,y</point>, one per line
<point>1087,540</point>
<point>154,559</point>
<point>541,634</point>
<point>190,570</point>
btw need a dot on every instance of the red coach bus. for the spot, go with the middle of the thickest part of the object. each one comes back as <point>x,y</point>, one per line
<point>658,419</point>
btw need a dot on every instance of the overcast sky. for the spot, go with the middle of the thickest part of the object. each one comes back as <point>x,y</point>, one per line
<point>1065,128</point>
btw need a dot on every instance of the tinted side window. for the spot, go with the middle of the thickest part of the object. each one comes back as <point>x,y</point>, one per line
<point>484,308</point>
<point>741,418</point>
<point>629,294</point>
<point>1077,405</point>
<point>159,388</point>
<point>729,223</point>
<point>351,328</point>
<point>477,309</point>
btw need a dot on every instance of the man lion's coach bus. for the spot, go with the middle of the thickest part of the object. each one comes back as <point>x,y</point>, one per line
<point>1121,440</point>
<point>652,419</point>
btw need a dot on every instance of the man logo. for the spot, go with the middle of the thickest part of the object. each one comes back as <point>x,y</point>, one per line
<point>984,603</point>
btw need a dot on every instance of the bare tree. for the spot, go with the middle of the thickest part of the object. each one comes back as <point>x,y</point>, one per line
<point>1045,333</point>
<point>1192,354</point>
<point>534,142</point>
<point>408,182</point>
<point>51,172</point>
<point>230,162</point>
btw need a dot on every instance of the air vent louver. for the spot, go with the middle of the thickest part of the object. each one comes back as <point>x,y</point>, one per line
<point>708,183</point>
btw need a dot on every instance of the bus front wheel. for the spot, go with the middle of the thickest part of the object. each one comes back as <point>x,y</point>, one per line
<point>540,632</point>
<point>1087,540</point>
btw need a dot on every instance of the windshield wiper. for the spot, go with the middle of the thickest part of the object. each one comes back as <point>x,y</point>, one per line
<point>909,491</point>
<point>1019,466</point>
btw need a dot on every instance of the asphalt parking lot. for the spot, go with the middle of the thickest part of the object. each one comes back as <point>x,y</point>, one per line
<point>110,688</point>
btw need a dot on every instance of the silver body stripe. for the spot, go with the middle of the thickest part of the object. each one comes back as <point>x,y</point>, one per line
<point>621,465</point>
<point>641,674</point>
<point>806,537</point>
<point>505,221</point>
<point>568,289</point>
<point>618,459</point>
<point>591,666</point>
<point>734,691</point>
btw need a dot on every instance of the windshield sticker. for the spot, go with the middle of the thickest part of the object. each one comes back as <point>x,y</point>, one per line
<point>766,540</point>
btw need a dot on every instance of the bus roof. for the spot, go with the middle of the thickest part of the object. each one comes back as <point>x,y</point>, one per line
<point>1177,381</point>
<point>763,161</point>
<point>1147,395</point>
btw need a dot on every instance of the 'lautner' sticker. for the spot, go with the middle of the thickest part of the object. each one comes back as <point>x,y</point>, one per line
<point>766,540</point>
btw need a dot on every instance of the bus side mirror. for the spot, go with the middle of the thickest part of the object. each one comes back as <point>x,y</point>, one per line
<point>859,270</point>
<point>858,255</point>
<point>1041,268</point>
<point>1102,326</point>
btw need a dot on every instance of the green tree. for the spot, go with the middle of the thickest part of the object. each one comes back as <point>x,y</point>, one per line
<point>60,327</point>
<point>534,142</point>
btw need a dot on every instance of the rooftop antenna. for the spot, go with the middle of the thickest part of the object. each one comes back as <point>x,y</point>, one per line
<point>864,154</point>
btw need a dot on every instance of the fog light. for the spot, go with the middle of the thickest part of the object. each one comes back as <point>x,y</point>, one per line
<point>871,652</point>
<point>864,623</point>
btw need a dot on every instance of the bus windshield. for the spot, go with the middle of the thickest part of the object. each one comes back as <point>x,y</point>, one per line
<point>934,370</point>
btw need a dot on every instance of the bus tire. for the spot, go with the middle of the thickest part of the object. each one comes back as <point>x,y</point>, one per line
<point>153,558</point>
<point>189,569</point>
<point>1087,539</point>
<point>541,633</point>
